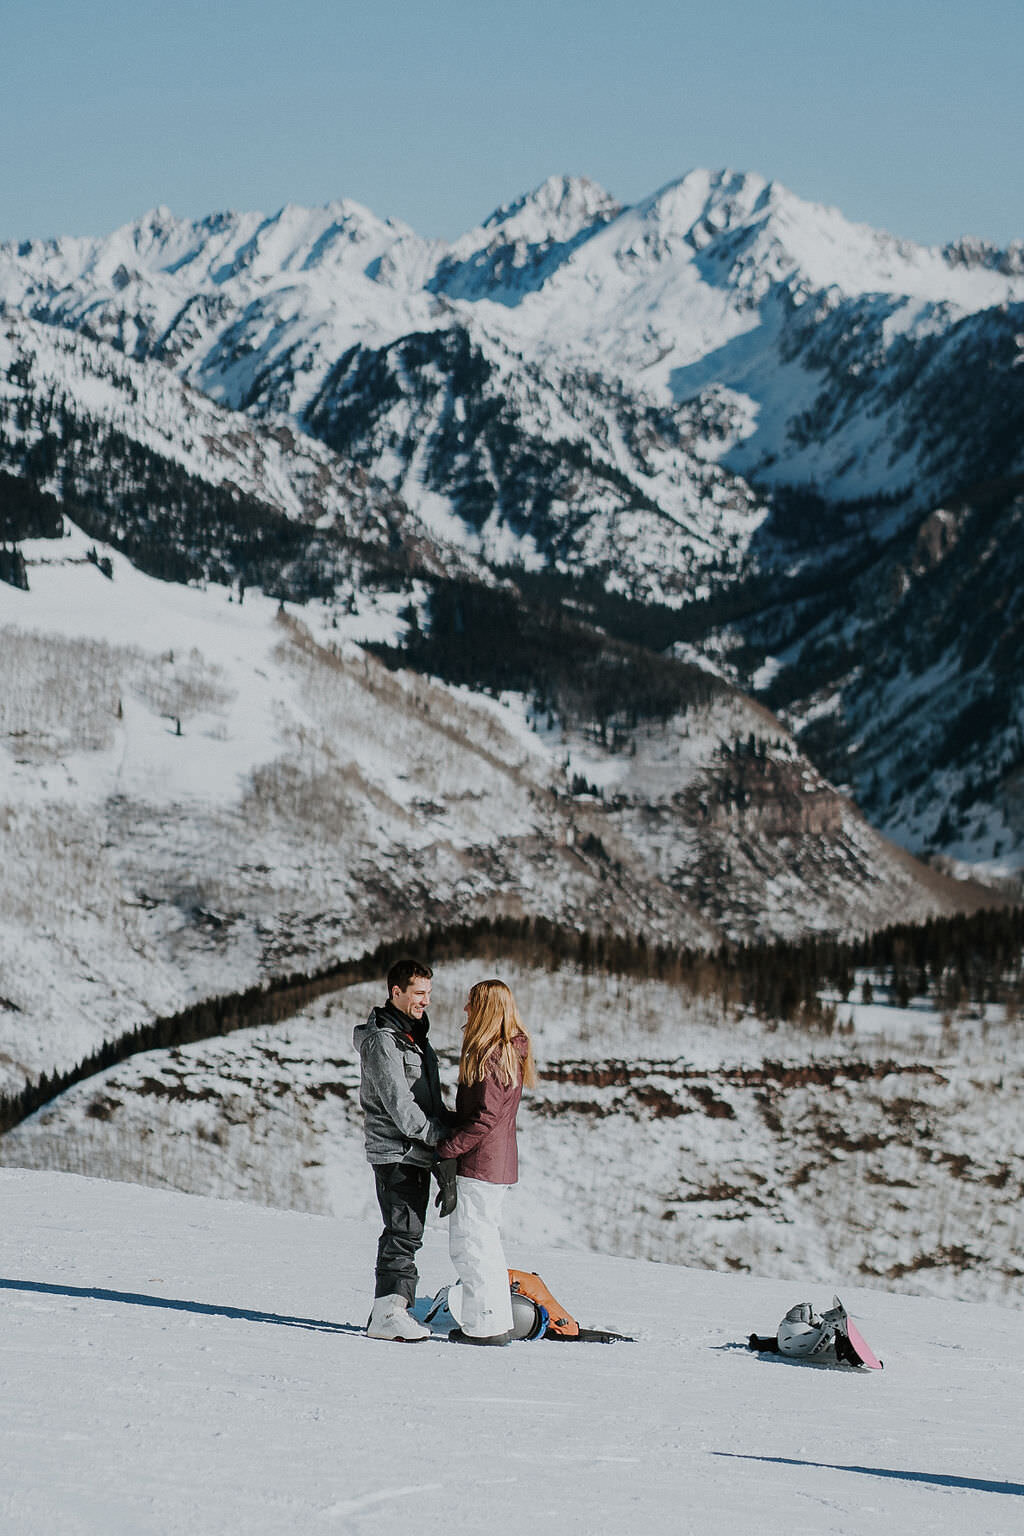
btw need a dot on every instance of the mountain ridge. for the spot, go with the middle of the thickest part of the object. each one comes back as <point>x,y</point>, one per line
<point>687,400</point>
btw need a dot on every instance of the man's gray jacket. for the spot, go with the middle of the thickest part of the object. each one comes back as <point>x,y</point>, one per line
<point>399,1088</point>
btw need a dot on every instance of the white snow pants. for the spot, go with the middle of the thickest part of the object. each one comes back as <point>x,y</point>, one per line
<point>474,1243</point>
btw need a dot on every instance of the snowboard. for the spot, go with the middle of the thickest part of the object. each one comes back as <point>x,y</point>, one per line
<point>445,1311</point>
<point>862,1353</point>
<point>849,1344</point>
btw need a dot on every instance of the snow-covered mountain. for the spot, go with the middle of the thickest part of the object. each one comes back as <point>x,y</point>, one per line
<point>685,403</point>
<point>202,789</point>
<point>908,682</point>
<point>351,582</point>
<point>176,1365</point>
<point>812,326</point>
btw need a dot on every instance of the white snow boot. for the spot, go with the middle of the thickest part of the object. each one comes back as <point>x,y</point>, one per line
<point>391,1319</point>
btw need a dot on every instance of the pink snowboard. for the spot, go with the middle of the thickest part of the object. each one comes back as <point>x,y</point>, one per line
<point>861,1348</point>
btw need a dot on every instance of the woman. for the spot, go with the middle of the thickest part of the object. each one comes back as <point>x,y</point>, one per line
<point>496,1063</point>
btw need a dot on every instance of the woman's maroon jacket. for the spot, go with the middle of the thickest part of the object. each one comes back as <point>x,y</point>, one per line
<point>484,1140</point>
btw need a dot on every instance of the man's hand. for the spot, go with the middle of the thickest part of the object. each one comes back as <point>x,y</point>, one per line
<point>447,1192</point>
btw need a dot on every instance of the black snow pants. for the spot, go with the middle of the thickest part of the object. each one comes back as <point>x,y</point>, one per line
<point>402,1194</point>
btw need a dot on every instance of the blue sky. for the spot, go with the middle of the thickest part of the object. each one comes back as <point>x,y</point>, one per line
<point>904,114</point>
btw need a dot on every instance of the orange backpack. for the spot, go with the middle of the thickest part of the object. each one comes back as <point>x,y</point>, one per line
<point>561,1324</point>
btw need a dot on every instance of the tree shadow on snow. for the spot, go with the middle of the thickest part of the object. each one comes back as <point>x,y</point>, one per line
<point>937,1479</point>
<point>202,1308</point>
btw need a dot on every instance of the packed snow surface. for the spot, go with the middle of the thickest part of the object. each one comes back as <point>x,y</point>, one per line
<point>182,1365</point>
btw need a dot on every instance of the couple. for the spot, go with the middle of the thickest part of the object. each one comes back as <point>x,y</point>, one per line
<point>472,1153</point>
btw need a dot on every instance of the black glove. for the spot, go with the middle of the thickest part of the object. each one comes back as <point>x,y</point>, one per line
<point>447,1193</point>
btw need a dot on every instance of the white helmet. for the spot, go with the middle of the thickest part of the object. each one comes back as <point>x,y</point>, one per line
<point>801,1333</point>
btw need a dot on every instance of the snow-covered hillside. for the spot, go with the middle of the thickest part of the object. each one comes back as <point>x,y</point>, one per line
<point>908,680</point>
<point>197,792</point>
<point>664,1126</point>
<point>126,445</point>
<point>176,1365</point>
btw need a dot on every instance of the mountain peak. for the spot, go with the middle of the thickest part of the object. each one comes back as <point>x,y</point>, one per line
<point>726,196</point>
<point>765,233</point>
<point>517,248</point>
<point>554,212</point>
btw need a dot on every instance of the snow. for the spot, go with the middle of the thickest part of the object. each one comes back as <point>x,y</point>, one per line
<point>231,644</point>
<point>116,826</point>
<point>145,1332</point>
<point>881,1145</point>
<point>661,294</point>
<point>559,210</point>
<point>673,342</point>
<point>764,675</point>
<point>182,1365</point>
<point>144,869</point>
<point>301,763</point>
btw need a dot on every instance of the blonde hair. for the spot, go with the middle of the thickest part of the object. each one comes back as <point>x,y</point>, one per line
<point>488,1044</point>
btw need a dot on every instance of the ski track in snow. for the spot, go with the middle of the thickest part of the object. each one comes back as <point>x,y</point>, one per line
<point>221,1406</point>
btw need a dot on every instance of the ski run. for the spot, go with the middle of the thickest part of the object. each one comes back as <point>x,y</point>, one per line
<point>174,1364</point>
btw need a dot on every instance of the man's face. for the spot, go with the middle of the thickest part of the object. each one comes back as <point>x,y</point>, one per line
<point>415,999</point>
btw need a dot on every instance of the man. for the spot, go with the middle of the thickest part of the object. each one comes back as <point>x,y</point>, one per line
<point>404,1119</point>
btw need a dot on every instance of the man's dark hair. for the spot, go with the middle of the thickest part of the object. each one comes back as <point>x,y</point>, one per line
<point>403,971</point>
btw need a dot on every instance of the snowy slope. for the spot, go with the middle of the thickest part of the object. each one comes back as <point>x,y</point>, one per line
<point>664,1126</point>
<point>178,1365</point>
<point>918,660</point>
<point>337,275</point>
<point>107,434</point>
<point>195,794</point>
<point>540,466</point>
<point>192,292</point>
<point>198,792</point>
